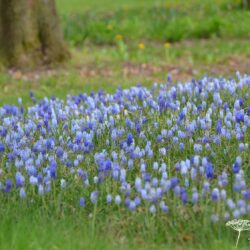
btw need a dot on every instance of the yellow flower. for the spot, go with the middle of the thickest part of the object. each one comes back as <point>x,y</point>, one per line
<point>167,45</point>
<point>109,27</point>
<point>141,46</point>
<point>125,7</point>
<point>118,37</point>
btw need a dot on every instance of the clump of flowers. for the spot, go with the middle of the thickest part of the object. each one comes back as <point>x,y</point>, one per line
<point>155,150</point>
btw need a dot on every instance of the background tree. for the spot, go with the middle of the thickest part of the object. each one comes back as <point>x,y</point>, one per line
<point>245,3</point>
<point>30,33</point>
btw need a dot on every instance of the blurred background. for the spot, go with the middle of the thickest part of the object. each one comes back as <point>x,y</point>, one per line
<point>125,42</point>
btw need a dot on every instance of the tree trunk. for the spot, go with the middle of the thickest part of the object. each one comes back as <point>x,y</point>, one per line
<point>245,4</point>
<point>30,34</point>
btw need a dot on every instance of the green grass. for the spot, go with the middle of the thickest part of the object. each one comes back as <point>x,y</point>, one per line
<point>79,6</point>
<point>154,21</point>
<point>73,230</point>
<point>103,61</point>
<point>204,37</point>
<point>96,24</point>
<point>94,67</point>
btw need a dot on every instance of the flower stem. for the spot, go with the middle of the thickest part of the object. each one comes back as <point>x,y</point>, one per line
<point>94,219</point>
<point>238,239</point>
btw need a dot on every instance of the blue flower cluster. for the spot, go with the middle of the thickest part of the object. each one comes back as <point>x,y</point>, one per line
<point>155,149</point>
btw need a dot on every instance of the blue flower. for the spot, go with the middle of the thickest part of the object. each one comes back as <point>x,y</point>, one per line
<point>181,146</point>
<point>118,200</point>
<point>8,185</point>
<point>40,189</point>
<point>53,169</point>
<point>236,168</point>
<point>152,209</point>
<point>209,170</point>
<point>214,218</point>
<point>129,138</point>
<point>164,207</point>
<point>236,214</point>
<point>132,205</point>
<point>195,197</point>
<point>247,194</point>
<point>19,180</point>
<point>59,152</point>
<point>174,182</point>
<point>94,196</point>
<point>215,195</point>
<point>22,193</point>
<point>82,202</point>
<point>237,164</point>
<point>239,116</point>
<point>109,198</point>
<point>218,127</point>
<point>2,148</point>
<point>184,197</point>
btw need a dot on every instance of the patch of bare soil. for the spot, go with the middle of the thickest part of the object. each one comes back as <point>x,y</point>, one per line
<point>232,64</point>
<point>180,71</point>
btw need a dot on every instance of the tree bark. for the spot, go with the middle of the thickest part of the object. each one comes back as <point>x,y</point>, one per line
<point>30,34</point>
<point>245,4</point>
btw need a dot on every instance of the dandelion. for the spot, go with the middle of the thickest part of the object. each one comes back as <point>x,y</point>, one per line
<point>109,27</point>
<point>118,37</point>
<point>167,45</point>
<point>141,46</point>
<point>239,225</point>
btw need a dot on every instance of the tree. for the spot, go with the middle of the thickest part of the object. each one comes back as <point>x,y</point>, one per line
<point>245,4</point>
<point>30,33</point>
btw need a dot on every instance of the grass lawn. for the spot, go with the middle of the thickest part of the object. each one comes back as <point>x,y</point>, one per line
<point>129,42</point>
<point>94,67</point>
<point>124,43</point>
<point>32,227</point>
